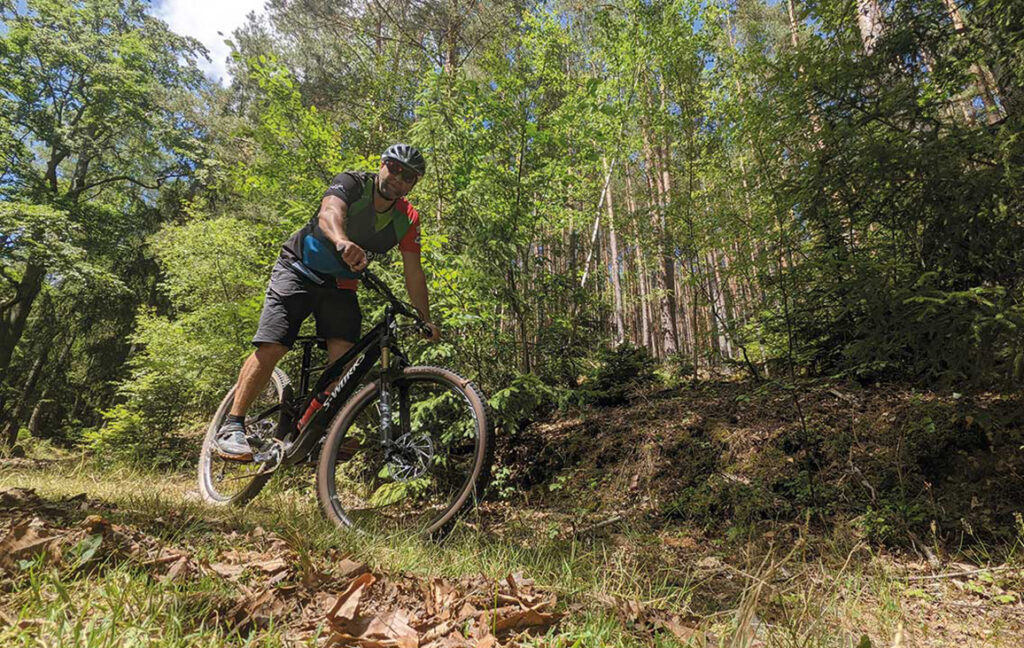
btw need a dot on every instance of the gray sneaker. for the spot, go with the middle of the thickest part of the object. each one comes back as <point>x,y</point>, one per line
<point>231,444</point>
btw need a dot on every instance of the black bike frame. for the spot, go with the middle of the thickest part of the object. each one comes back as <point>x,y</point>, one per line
<point>378,343</point>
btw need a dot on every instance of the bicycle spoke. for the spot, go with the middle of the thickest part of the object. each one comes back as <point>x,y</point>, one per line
<point>224,480</point>
<point>428,467</point>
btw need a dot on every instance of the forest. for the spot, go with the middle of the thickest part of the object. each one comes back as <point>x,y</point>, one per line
<point>779,190</point>
<point>749,202</point>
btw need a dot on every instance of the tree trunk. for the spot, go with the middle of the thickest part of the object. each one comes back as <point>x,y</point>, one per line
<point>984,81</point>
<point>36,420</point>
<point>520,324</point>
<point>794,30</point>
<point>14,314</point>
<point>664,277</point>
<point>641,271</point>
<point>667,244</point>
<point>613,250</point>
<point>682,323</point>
<point>718,306</point>
<point>10,432</point>
<point>869,20</point>
<point>451,39</point>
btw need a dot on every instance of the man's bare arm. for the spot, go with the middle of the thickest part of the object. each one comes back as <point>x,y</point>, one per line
<point>416,285</point>
<point>332,221</point>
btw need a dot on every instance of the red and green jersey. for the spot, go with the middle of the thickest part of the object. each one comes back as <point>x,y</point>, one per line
<point>376,232</point>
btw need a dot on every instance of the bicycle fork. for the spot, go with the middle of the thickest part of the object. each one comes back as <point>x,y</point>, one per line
<point>390,368</point>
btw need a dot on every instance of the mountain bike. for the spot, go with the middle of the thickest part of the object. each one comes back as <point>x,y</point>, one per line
<point>408,452</point>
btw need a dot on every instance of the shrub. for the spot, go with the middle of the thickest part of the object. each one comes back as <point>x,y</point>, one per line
<point>618,373</point>
<point>525,399</point>
<point>214,278</point>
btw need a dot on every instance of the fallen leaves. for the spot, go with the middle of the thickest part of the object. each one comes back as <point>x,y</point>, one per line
<point>272,584</point>
<point>92,543</point>
<point>475,613</point>
<point>346,607</point>
<point>689,636</point>
<point>648,620</point>
<point>25,541</point>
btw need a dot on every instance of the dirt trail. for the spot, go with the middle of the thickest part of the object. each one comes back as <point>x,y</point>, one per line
<point>880,513</point>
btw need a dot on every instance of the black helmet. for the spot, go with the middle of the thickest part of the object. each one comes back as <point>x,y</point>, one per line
<point>408,155</point>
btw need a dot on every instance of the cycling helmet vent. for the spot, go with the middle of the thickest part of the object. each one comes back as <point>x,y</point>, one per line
<point>408,155</point>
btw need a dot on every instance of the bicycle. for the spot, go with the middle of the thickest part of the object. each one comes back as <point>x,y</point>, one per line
<point>410,451</point>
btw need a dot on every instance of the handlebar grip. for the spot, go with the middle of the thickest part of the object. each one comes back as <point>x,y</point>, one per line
<point>340,250</point>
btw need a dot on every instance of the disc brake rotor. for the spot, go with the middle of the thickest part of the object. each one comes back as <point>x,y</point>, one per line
<point>411,457</point>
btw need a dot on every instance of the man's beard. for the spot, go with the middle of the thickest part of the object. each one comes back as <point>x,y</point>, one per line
<point>387,195</point>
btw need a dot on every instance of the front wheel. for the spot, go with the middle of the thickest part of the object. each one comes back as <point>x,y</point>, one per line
<point>223,482</point>
<point>437,465</point>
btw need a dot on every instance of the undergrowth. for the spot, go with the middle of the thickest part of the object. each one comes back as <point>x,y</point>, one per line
<point>732,514</point>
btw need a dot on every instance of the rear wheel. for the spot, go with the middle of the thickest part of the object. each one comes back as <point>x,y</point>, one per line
<point>224,482</point>
<point>437,467</point>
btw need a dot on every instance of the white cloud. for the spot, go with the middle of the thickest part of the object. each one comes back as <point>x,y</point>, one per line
<point>202,19</point>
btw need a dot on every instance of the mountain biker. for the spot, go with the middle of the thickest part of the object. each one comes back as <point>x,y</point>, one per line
<point>361,216</point>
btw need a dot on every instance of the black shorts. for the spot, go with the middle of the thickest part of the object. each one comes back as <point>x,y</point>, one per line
<point>290,300</point>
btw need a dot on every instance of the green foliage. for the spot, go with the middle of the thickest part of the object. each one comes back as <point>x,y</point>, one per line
<point>618,373</point>
<point>615,375</point>
<point>898,209</point>
<point>524,400</point>
<point>215,277</point>
<point>680,366</point>
<point>123,437</point>
<point>102,113</point>
<point>783,198</point>
<point>91,82</point>
<point>294,150</point>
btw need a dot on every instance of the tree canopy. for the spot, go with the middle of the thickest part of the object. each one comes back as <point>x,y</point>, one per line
<point>776,189</point>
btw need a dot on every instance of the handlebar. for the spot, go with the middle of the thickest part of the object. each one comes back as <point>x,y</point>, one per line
<point>402,308</point>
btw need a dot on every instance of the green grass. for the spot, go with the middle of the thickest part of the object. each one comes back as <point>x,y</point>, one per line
<point>808,592</point>
<point>115,607</point>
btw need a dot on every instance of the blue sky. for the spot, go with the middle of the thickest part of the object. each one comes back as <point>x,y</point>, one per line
<point>202,19</point>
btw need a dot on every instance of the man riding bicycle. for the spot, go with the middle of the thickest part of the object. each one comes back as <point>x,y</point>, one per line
<point>361,216</point>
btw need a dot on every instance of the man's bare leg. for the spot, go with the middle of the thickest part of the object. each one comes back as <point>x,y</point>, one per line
<point>256,371</point>
<point>255,374</point>
<point>336,347</point>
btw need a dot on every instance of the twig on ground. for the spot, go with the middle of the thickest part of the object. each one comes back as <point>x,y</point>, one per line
<point>924,550</point>
<point>970,572</point>
<point>599,525</point>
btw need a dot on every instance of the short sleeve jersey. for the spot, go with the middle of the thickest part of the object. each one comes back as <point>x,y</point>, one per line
<point>375,232</point>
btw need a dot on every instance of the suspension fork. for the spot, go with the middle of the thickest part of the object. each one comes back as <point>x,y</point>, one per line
<point>384,390</point>
<point>392,362</point>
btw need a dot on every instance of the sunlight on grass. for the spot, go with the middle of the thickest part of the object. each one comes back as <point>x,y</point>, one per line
<point>815,593</point>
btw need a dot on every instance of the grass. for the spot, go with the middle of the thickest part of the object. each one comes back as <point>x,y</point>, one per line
<point>619,589</point>
<point>117,607</point>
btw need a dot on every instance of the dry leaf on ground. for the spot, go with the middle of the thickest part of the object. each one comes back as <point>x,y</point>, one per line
<point>24,541</point>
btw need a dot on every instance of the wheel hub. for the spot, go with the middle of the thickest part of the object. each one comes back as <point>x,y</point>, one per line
<point>410,456</point>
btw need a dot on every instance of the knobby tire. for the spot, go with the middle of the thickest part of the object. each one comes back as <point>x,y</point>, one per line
<point>250,478</point>
<point>451,415</point>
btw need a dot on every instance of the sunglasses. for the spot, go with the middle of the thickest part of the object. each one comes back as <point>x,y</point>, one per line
<point>404,173</point>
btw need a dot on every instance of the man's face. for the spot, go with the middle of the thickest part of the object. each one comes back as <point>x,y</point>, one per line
<point>395,179</point>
